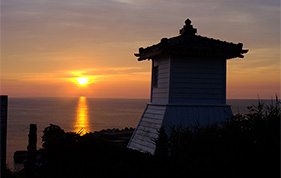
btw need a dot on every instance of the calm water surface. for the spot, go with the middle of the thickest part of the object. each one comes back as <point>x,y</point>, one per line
<point>71,114</point>
<point>77,114</point>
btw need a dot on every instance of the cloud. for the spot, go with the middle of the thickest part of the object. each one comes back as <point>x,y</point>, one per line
<point>47,22</point>
<point>103,71</point>
<point>43,40</point>
<point>131,2</point>
<point>8,80</point>
<point>87,72</point>
<point>112,70</point>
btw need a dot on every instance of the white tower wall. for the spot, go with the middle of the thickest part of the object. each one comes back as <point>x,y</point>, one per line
<point>188,91</point>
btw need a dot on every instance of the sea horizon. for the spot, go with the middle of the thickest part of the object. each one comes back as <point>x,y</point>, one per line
<point>257,98</point>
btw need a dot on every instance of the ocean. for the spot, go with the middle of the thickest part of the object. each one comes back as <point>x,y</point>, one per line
<point>74,114</point>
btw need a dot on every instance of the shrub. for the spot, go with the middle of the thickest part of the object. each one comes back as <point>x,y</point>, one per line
<point>244,146</point>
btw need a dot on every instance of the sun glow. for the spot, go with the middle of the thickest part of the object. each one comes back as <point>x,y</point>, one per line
<point>82,81</point>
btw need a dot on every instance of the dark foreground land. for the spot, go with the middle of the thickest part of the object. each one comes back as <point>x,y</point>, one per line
<point>244,146</point>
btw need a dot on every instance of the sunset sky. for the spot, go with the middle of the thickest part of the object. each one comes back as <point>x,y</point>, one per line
<point>47,44</point>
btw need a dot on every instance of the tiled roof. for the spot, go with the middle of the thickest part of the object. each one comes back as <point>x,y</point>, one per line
<point>192,45</point>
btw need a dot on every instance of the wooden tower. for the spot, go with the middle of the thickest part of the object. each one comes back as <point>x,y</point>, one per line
<point>188,84</point>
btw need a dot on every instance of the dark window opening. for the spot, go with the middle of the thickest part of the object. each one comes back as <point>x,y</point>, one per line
<point>155,73</point>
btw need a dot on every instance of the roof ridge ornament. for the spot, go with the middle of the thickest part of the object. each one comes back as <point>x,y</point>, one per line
<point>190,45</point>
<point>188,29</point>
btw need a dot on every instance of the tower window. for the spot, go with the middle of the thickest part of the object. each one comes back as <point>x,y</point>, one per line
<point>155,73</point>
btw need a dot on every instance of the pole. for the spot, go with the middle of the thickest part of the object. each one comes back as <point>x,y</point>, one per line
<point>31,151</point>
<point>3,132</point>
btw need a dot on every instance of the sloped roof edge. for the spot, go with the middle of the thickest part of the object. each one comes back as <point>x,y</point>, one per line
<point>190,44</point>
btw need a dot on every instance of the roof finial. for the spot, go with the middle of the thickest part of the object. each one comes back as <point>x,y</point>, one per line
<point>188,28</point>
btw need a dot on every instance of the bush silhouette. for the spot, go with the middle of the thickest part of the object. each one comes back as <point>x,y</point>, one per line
<point>244,146</point>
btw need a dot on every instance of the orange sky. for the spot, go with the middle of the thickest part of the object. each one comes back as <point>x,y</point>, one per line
<point>46,44</point>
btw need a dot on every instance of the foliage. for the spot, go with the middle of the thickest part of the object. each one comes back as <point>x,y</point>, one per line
<point>67,154</point>
<point>162,144</point>
<point>244,146</point>
<point>18,174</point>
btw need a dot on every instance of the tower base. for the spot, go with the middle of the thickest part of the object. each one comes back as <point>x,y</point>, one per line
<point>186,115</point>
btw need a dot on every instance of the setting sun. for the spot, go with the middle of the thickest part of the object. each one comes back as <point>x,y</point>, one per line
<point>82,81</point>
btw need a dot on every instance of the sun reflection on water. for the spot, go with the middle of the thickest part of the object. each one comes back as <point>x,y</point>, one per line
<point>82,125</point>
